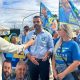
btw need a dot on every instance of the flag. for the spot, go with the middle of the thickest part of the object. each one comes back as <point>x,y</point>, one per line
<point>47,18</point>
<point>66,13</point>
<point>75,9</point>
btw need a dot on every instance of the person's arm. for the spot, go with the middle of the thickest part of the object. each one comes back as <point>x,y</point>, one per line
<point>29,43</point>
<point>68,69</point>
<point>54,67</point>
<point>32,59</point>
<point>76,60</point>
<point>5,46</point>
<point>27,51</point>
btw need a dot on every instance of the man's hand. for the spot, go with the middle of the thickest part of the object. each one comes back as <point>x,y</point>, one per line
<point>55,75</point>
<point>61,76</point>
<point>46,56</point>
<point>33,60</point>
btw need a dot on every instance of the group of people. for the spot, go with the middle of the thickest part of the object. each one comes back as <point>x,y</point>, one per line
<point>40,46</point>
<point>19,74</point>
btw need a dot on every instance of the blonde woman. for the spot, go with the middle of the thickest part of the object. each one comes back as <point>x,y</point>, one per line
<point>68,50</point>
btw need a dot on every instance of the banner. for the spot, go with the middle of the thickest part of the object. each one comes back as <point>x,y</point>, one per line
<point>74,8</point>
<point>47,18</point>
<point>67,13</point>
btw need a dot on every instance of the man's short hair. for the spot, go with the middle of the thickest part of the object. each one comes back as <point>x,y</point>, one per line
<point>26,27</point>
<point>8,61</point>
<point>36,17</point>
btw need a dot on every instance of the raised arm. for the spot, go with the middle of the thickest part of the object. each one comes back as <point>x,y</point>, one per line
<point>5,46</point>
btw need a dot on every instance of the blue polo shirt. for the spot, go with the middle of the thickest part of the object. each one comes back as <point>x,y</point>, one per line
<point>43,43</point>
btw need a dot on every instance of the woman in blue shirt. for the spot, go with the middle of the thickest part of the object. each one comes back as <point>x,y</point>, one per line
<point>68,50</point>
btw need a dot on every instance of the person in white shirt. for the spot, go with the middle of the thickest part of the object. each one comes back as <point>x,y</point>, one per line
<point>6,46</point>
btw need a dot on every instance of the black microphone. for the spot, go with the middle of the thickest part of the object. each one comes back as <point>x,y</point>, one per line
<point>34,36</point>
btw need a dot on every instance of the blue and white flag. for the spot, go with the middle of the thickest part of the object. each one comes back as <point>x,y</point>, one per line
<point>67,13</point>
<point>47,18</point>
<point>74,8</point>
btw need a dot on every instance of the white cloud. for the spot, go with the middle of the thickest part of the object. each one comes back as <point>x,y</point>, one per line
<point>16,10</point>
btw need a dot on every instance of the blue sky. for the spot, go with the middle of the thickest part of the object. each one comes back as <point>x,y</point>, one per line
<point>14,11</point>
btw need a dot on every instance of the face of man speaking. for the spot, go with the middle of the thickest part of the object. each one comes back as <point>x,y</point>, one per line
<point>37,23</point>
<point>7,69</point>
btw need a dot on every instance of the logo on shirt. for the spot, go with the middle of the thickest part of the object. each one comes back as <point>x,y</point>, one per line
<point>43,38</point>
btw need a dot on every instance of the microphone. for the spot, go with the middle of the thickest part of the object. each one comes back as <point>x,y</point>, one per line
<point>34,36</point>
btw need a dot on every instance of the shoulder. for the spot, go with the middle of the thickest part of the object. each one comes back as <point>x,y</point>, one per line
<point>31,33</point>
<point>47,33</point>
<point>3,41</point>
<point>73,44</point>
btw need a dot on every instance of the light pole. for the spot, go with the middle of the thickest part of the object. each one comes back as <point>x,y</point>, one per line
<point>27,17</point>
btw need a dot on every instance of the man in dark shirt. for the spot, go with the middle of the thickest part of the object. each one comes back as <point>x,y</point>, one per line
<point>6,70</point>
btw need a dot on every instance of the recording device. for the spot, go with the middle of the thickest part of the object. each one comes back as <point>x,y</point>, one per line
<point>34,36</point>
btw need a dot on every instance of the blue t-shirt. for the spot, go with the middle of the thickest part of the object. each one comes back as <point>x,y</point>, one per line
<point>70,51</point>
<point>78,39</point>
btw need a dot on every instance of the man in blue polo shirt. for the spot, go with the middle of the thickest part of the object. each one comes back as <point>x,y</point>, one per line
<point>39,52</point>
